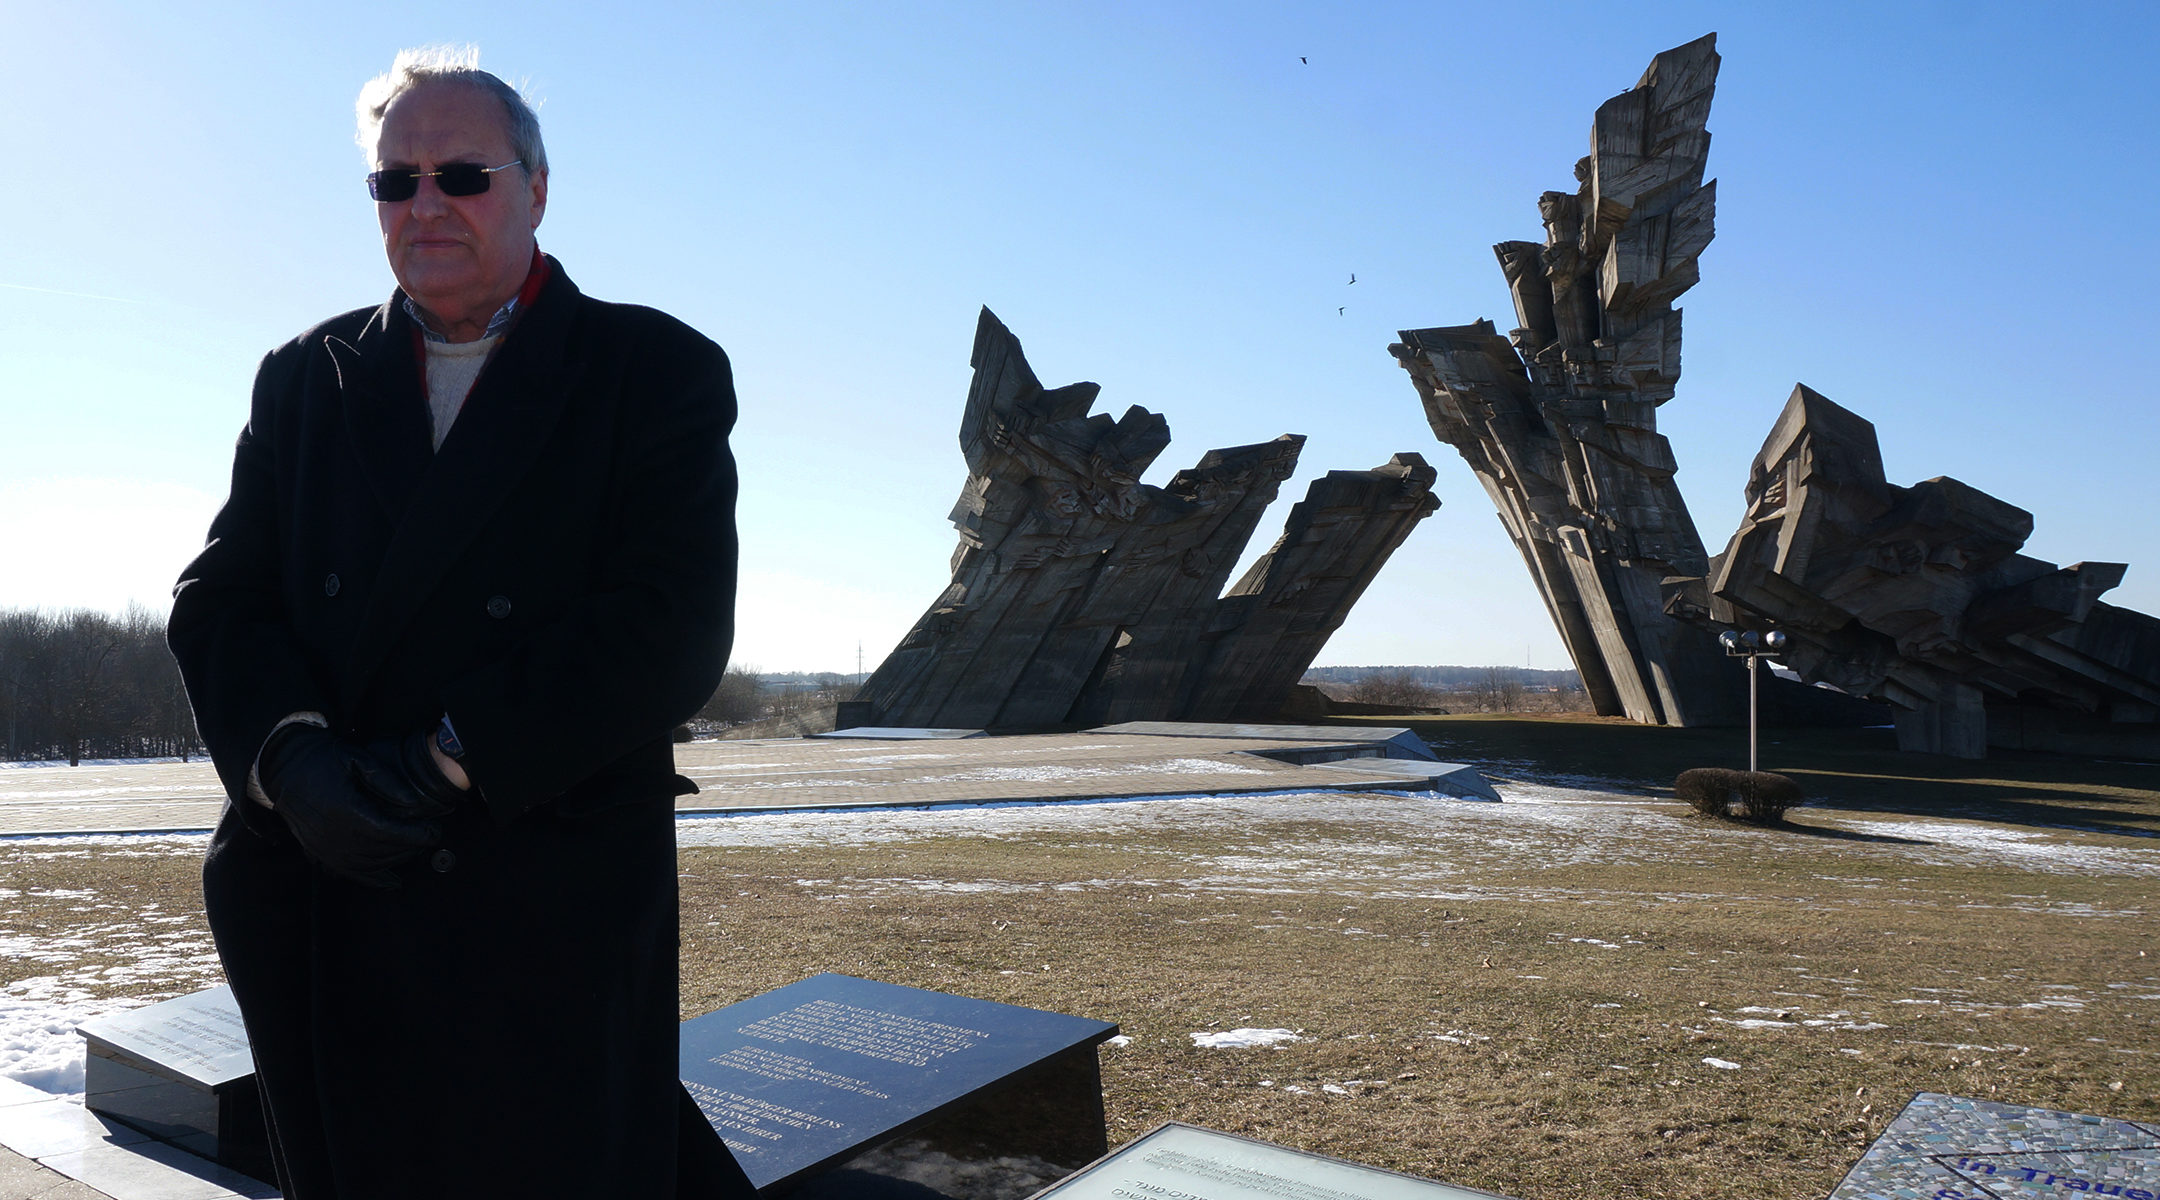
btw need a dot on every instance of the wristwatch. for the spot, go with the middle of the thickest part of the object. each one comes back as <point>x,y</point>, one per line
<point>446,740</point>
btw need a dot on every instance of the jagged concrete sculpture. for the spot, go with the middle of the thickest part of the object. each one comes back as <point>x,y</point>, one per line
<point>1917,596</point>
<point>1079,593</point>
<point>1559,419</point>
<point>1271,626</point>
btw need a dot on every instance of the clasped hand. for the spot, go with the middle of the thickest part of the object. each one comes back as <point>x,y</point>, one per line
<point>360,812</point>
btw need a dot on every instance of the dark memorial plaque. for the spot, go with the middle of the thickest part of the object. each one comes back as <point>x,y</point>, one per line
<point>181,1072</point>
<point>812,1074</point>
<point>795,1081</point>
<point>1186,1162</point>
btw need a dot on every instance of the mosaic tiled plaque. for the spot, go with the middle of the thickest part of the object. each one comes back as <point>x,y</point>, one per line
<point>1957,1148</point>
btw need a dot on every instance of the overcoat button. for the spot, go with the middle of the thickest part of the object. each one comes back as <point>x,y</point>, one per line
<point>330,584</point>
<point>443,860</point>
<point>498,607</point>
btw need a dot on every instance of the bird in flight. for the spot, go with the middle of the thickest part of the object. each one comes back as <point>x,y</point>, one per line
<point>1339,308</point>
<point>1301,58</point>
<point>1353,277</point>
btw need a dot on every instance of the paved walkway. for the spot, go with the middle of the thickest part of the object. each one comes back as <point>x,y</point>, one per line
<point>55,1149</point>
<point>903,769</point>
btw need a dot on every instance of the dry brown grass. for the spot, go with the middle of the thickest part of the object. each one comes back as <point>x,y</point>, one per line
<point>1573,1069</point>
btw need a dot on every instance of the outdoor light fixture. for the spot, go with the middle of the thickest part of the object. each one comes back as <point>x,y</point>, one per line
<point>1750,645</point>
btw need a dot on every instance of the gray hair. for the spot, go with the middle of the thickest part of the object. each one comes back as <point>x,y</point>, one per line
<point>450,64</point>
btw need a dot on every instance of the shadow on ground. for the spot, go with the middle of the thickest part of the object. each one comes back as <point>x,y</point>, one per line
<point>1858,770</point>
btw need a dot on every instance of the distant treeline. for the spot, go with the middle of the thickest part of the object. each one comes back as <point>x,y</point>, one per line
<point>82,684</point>
<point>1446,678</point>
<point>802,679</point>
<point>1452,689</point>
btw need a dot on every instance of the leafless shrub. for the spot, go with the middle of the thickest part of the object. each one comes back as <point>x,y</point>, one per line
<point>1756,797</point>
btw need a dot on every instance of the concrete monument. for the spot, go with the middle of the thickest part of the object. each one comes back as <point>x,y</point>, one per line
<point>1271,626</point>
<point>1917,596</point>
<point>1079,593</point>
<point>1559,418</point>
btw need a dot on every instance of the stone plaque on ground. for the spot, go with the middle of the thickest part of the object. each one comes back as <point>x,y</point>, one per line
<point>812,1074</point>
<point>1182,1162</point>
<point>181,1072</point>
<point>1957,1148</point>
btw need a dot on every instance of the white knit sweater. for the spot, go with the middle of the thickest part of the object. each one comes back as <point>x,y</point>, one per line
<point>451,369</point>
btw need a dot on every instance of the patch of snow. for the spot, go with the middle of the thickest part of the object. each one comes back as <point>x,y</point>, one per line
<point>38,1042</point>
<point>120,943</point>
<point>1239,1038</point>
<point>1961,843</point>
<point>48,846</point>
<point>1054,772</point>
<point>1721,1064</point>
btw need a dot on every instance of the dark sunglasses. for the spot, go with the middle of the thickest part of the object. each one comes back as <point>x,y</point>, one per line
<point>395,184</point>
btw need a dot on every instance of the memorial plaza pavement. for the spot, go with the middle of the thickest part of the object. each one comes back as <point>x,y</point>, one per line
<point>856,768</point>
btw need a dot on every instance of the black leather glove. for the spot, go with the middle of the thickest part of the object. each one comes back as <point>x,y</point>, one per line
<point>424,791</point>
<point>350,811</point>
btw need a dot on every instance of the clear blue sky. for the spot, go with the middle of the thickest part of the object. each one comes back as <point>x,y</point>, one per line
<point>1936,214</point>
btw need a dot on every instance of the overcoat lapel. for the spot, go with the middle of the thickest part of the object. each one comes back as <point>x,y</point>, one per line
<point>385,421</point>
<point>506,419</point>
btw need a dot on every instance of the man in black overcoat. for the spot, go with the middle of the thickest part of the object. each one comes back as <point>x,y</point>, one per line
<point>478,561</point>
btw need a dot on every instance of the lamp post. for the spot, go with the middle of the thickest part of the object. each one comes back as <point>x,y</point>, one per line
<point>1750,645</point>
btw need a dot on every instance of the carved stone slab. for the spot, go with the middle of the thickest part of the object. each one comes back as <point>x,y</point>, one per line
<point>181,1071</point>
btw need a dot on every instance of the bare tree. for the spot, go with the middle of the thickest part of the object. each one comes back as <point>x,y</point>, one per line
<point>82,690</point>
<point>1498,689</point>
<point>81,683</point>
<point>738,699</point>
<point>1397,687</point>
